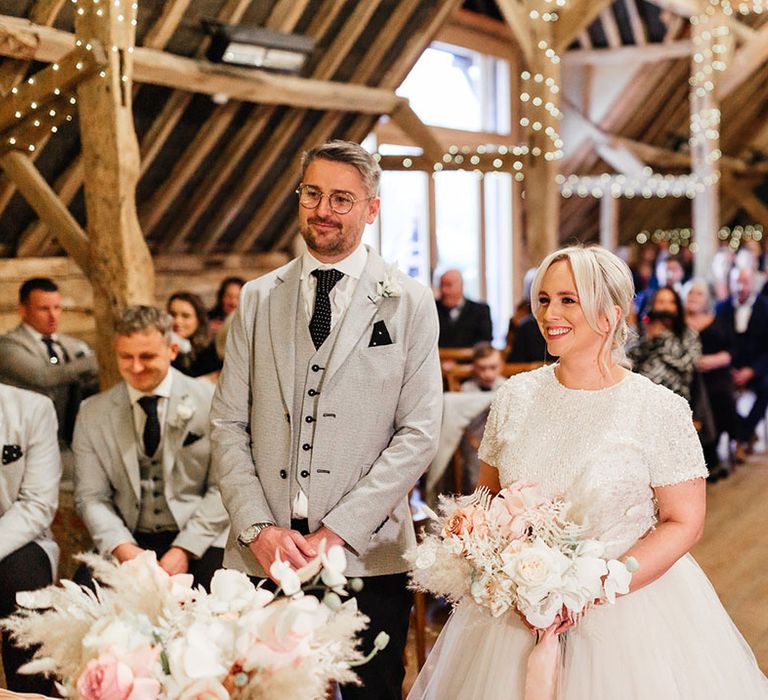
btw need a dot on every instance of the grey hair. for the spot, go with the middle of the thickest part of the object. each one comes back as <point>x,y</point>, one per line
<point>350,153</point>
<point>139,318</point>
<point>603,283</point>
<point>701,283</point>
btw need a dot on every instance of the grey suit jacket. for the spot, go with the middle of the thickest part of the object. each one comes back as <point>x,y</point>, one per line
<point>378,417</point>
<point>29,483</point>
<point>107,479</point>
<point>24,363</point>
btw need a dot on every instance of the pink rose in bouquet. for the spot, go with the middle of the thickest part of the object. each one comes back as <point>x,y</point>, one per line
<point>105,678</point>
<point>508,509</point>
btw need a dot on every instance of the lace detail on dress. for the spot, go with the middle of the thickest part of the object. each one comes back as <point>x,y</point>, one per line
<point>603,450</point>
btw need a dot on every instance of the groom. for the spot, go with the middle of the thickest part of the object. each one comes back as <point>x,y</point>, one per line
<point>328,407</point>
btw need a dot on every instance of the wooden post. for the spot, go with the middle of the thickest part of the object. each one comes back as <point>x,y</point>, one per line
<point>704,142</point>
<point>121,269</point>
<point>609,222</point>
<point>542,194</point>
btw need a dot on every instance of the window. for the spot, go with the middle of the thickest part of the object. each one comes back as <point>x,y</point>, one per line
<point>459,89</point>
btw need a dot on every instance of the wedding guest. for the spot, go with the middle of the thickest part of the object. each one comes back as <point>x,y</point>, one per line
<point>745,317</point>
<point>143,478</point>
<point>197,350</point>
<point>227,299</point>
<point>328,408</point>
<point>36,356</point>
<point>29,495</point>
<point>463,322</point>
<point>667,352</point>
<point>486,369</point>
<point>715,367</point>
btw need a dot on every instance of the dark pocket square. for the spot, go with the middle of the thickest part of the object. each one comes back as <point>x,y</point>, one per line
<point>380,335</point>
<point>11,453</point>
<point>191,438</point>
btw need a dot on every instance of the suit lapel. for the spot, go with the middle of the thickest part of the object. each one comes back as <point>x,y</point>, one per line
<point>35,347</point>
<point>362,308</point>
<point>283,301</point>
<point>173,430</point>
<point>125,433</point>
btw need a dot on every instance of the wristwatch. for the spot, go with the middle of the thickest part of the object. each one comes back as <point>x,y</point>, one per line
<point>250,533</point>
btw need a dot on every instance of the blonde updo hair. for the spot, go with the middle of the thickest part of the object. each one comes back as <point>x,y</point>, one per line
<point>603,283</point>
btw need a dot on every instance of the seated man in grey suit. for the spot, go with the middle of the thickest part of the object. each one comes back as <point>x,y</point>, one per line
<point>35,356</point>
<point>142,457</point>
<point>29,495</point>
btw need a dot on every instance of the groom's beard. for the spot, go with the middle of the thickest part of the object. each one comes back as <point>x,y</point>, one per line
<point>333,242</point>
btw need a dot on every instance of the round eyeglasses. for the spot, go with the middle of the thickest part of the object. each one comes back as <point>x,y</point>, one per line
<point>340,202</point>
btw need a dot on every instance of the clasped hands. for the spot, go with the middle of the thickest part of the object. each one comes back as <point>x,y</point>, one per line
<point>290,546</point>
<point>174,561</point>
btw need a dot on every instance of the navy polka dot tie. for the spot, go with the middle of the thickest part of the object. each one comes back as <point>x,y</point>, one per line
<point>320,323</point>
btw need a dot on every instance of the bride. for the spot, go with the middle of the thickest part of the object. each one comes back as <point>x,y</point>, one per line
<point>624,451</point>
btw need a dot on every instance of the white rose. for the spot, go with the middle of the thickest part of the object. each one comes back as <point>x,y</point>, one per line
<point>233,591</point>
<point>537,566</point>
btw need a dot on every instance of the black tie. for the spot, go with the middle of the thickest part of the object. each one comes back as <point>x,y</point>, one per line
<point>152,426</point>
<point>53,357</point>
<point>320,323</point>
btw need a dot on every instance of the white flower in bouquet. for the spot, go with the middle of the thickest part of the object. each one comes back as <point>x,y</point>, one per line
<point>286,576</point>
<point>334,562</point>
<point>125,634</point>
<point>285,635</point>
<point>618,579</point>
<point>200,651</point>
<point>232,591</point>
<point>535,569</point>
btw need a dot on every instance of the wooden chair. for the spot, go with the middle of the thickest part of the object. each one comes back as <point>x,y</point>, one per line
<point>461,356</point>
<point>455,376</point>
<point>511,368</point>
<point>419,610</point>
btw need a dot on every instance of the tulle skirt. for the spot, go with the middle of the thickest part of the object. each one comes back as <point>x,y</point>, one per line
<point>671,640</point>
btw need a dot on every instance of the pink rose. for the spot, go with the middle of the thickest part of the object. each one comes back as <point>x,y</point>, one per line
<point>105,678</point>
<point>460,522</point>
<point>508,509</point>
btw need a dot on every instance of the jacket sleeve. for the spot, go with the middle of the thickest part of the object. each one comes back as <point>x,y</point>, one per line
<point>38,497</point>
<point>414,441</point>
<point>94,492</point>
<point>233,466</point>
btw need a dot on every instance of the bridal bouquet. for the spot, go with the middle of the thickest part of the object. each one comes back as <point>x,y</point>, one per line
<point>145,635</point>
<point>517,550</point>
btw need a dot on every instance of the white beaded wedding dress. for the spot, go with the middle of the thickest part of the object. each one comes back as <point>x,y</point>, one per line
<point>603,450</point>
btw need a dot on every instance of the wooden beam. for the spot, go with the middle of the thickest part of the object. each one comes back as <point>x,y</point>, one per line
<point>32,97</point>
<point>484,162</point>
<point>479,33</point>
<point>387,131</point>
<point>419,132</point>
<point>47,205</point>
<point>163,125</point>
<point>636,23</point>
<point>344,41</point>
<point>747,199</point>
<point>743,64</point>
<point>706,203</point>
<point>609,223</point>
<point>121,268</point>
<point>627,55</point>
<point>575,17</point>
<point>35,237</point>
<point>240,145</point>
<point>689,8</point>
<point>610,28</point>
<point>516,15</point>
<point>170,16</point>
<point>199,76</point>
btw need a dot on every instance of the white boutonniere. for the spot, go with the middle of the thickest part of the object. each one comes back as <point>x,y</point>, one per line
<point>184,412</point>
<point>390,286</point>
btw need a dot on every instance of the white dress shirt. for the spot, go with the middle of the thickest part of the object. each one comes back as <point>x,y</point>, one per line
<point>162,390</point>
<point>340,296</point>
<point>742,313</point>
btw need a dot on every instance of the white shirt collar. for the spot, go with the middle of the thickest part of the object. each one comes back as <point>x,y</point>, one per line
<point>163,389</point>
<point>352,265</point>
<point>37,335</point>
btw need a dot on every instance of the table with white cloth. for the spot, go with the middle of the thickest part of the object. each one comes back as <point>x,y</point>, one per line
<point>459,410</point>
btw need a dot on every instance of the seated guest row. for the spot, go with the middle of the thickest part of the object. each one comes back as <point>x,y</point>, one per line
<point>142,474</point>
